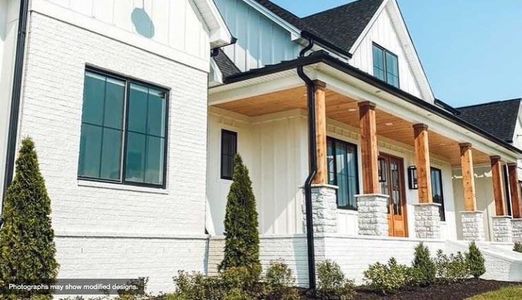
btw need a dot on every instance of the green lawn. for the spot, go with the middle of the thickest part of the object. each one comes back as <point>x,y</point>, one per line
<point>503,293</point>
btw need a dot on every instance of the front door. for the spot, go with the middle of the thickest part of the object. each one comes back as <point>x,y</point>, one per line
<point>391,176</point>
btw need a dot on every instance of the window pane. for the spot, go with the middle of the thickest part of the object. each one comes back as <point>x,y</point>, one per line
<point>228,151</point>
<point>378,63</point>
<point>353,183</point>
<point>436,186</point>
<point>93,99</point>
<point>115,93</point>
<point>90,149</point>
<point>391,64</point>
<point>156,114</point>
<point>138,108</point>
<point>393,80</point>
<point>154,163</point>
<point>331,161</point>
<point>135,167</point>
<point>111,154</point>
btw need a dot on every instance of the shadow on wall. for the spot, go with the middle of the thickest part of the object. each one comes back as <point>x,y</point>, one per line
<point>142,22</point>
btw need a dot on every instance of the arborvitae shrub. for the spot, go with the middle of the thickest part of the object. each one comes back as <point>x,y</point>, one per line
<point>424,269</point>
<point>241,224</point>
<point>27,249</point>
<point>475,261</point>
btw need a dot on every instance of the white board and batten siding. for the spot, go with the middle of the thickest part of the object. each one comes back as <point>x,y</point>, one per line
<point>172,29</point>
<point>260,41</point>
<point>385,33</point>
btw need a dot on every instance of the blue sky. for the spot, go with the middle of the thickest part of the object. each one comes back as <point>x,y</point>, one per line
<point>471,50</point>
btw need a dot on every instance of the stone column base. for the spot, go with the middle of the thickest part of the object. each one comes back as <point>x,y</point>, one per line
<point>324,204</point>
<point>502,229</point>
<point>473,225</point>
<point>373,214</point>
<point>516,225</point>
<point>427,220</point>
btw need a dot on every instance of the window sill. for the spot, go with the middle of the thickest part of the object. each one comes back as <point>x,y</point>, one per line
<point>121,187</point>
<point>346,211</point>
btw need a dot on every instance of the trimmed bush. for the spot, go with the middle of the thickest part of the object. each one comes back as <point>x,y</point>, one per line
<point>518,247</point>
<point>332,282</point>
<point>475,261</point>
<point>452,268</point>
<point>241,232</point>
<point>27,249</point>
<point>387,278</point>
<point>423,267</point>
<point>280,281</point>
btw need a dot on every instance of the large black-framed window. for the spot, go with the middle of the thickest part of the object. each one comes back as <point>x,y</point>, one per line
<point>342,171</point>
<point>385,65</point>
<point>437,190</point>
<point>124,131</point>
<point>228,151</point>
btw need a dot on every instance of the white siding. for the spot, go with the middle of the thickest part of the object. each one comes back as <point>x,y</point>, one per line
<point>8,33</point>
<point>384,33</point>
<point>260,41</point>
<point>171,28</point>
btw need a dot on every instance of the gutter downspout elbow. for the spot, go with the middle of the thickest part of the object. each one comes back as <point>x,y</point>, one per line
<point>312,145</point>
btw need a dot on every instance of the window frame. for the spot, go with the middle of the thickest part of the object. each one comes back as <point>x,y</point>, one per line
<point>125,120</point>
<point>233,133</point>
<point>385,65</point>
<point>356,157</point>
<point>443,207</point>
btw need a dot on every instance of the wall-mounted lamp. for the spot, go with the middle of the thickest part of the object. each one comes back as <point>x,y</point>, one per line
<point>412,178</point>
<point>382,170</point>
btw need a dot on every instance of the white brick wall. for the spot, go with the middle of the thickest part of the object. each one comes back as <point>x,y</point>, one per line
<point>51,114</point>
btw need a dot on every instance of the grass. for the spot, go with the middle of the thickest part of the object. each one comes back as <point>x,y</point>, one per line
<point>512,292</point>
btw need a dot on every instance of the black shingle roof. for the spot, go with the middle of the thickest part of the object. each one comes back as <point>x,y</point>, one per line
<point>225,64</point>
<point>499,118</point>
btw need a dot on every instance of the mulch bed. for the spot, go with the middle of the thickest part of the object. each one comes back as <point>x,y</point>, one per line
<point>456,291</point>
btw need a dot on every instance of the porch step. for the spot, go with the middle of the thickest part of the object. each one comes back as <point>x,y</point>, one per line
<point>502,263</point>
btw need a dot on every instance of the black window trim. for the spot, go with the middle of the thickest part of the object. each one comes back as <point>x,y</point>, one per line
<point>233,133</point>
<point>356,156</point>
<point>123,159</point>
<point>443,217</point>
<point>384,50</point>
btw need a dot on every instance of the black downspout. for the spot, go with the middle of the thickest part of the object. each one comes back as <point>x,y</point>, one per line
<point>312,145</point>
<point>16,95</point>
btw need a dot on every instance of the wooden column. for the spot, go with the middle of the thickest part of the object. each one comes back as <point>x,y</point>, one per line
<point>369,151</point>
<point>515,190</point>
<point>320,130</point>
<point>468,180</point>
<point>422,158</point>
<point>496,173</point>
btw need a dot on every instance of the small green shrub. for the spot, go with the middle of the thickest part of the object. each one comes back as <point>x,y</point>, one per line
<point>518,247</point>
<point>280,282</point>
<point>388,278</point>
<point>332,282</point>
<point>197,286</point>
<point>475,261</point>
<point>452,268</point>
<point>423,268</point>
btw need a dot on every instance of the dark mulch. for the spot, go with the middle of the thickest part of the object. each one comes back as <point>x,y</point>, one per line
<point>455,291</point>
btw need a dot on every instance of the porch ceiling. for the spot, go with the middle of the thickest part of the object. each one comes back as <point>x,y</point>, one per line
<point>345,110</point>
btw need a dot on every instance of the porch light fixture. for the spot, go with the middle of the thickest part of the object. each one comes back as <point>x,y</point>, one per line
<point>382,170</point>
<point>412,178</point>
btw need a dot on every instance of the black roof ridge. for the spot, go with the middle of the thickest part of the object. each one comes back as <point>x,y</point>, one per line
<point>332,9</point>
<point>489,103</point>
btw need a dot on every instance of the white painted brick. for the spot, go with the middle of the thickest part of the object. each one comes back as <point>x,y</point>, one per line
<point>57,54</point>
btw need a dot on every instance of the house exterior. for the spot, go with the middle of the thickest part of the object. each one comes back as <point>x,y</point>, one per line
<point>138,107</point>
<point>104,84</point>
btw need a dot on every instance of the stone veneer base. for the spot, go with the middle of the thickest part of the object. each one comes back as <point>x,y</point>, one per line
<point>427,220</point>
<point>373,214</point>
<point>473,225</point>
<point>502,229</point>
<point>516,225</point>
<point>324,204</point>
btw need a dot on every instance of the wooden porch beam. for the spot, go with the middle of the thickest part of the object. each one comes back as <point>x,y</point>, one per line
<point>369,150</point>
<point>321,177</point>
<point>515,190</point>
<point>496,173</point>
<point>468,180</point>
<point>422,158</point>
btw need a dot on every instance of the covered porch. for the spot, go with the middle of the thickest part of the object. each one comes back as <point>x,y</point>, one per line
<point>385,167</point>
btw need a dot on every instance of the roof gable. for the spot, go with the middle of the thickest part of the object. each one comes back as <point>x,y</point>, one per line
<point>498,118</point>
